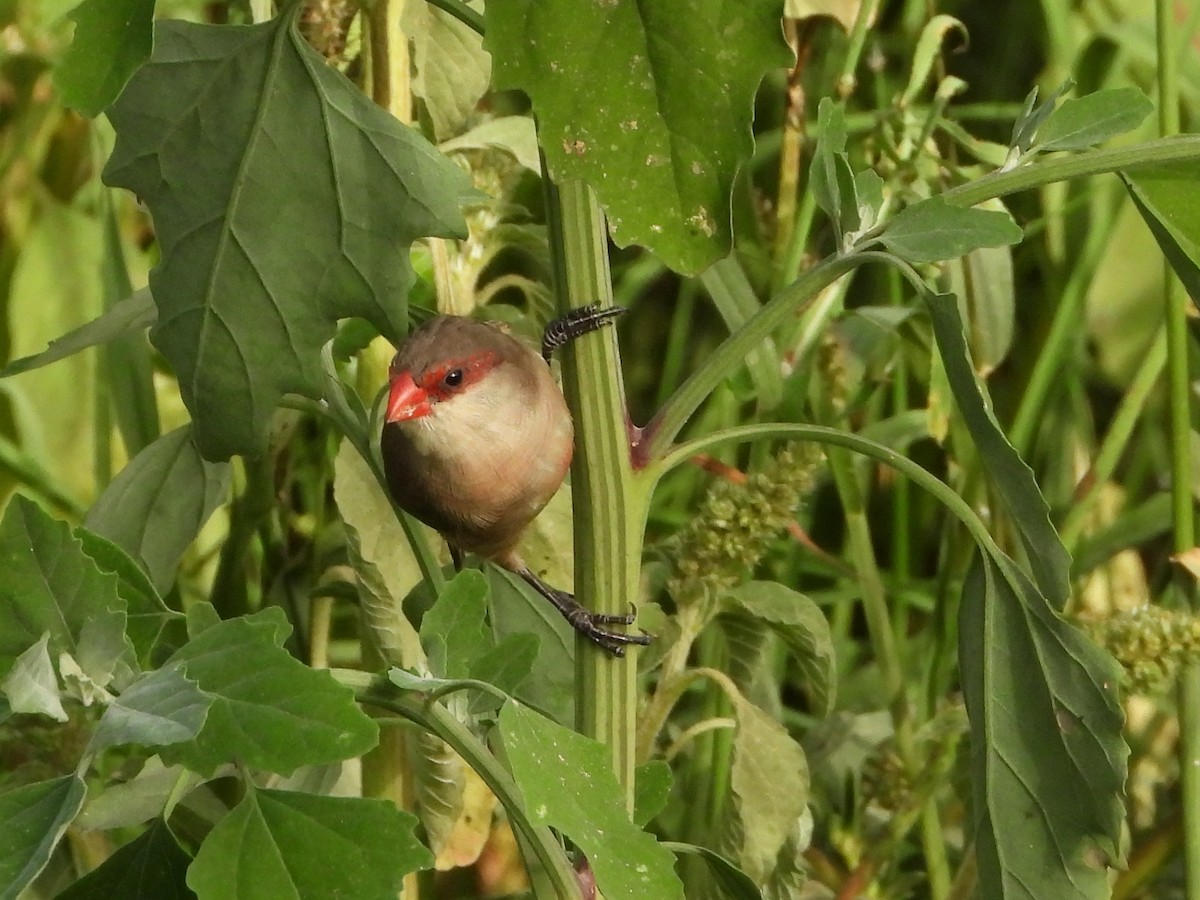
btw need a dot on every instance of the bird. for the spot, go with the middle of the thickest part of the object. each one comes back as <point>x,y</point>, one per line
<point>477,438</point>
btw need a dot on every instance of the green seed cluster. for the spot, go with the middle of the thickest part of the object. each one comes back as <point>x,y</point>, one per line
<point>736,524</point>
<point>1151,643</point>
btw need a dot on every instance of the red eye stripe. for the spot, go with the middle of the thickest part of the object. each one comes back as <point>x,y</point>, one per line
<point>473,368</point>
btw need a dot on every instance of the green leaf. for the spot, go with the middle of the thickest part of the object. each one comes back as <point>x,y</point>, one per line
<point>453,632</point>
<point>928,53</point>
<point>515,135</point>
<point>35,817</point>
<point>984,280</point>
<point>831,180</point>
<point>56,286</point>
<point>381,556</point>
<point>651,790</point>
<point>802,627</point>
<point>733,882</point>
<point>1083,122</point>
<point>1168,198</point>
<point>578,796</point>
<point>49,585</point>
<point>112,38</point>
<point>506,666</point>
<point>268,710</point>
<point>149,619</point>
<point>1033,115</point>
<point>31,685</point>
<point>227,132</point>
<point>769,784</point>
<point>516,609</point>
<point>277,844</point>
<point>620,105</point>
<point>139,799</point>
<point>150,867</point>
<point>133,314</point>
<point>933,230</point>
<point>451,70</point>
<point>440,777</point>
<point>1048,761</point>
<point>97,656</point>
<point>131,512</point>
<point>126,366</point>
<point>1048,559</point>
<point>162,707</point>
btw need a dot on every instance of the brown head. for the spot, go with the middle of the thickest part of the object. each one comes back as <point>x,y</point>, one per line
<point>477,436</point>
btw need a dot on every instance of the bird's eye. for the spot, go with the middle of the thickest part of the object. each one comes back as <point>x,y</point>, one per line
<point>453,378</point>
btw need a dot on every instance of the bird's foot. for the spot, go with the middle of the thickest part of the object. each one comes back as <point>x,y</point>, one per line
<point>589,624</point>
<point>575,323</point>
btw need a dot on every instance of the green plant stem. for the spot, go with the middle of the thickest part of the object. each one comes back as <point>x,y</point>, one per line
<point>826,436</point>
<point>436,719</point>
<point>1182,505</point>
<point>734,298</point>
<point>389,62</point>
<point>846,80</point>
<point>32,475</point>
<point>727,358</point>
<point>1116,439</point>
<point>1064,334</point>
<point>609,510</point>
<point>1177,148</point>
<point>883,643</point>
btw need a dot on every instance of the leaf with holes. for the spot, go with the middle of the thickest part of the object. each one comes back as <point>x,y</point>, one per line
<point>650,103</point>
<point>284,200</point>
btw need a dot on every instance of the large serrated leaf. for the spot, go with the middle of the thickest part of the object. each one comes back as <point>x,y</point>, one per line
<point>1048,760</point>
<point>567,782</point>
<point>284,200</point>
<point>134,512</point>
<point>268,710</point>
<point>49,586</point>
<point>278,844</point>
<point>649,102</point>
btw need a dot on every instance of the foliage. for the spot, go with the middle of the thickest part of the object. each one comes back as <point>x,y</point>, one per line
<point>230,667</point>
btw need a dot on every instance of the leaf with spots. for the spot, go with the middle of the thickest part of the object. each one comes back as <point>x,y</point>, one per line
<point>650,103</point>
<point>567,782</point>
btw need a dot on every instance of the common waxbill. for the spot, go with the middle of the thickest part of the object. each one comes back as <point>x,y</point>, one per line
<point>477,438</point>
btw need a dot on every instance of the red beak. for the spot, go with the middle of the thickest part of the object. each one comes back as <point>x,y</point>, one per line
<point>406,400</point>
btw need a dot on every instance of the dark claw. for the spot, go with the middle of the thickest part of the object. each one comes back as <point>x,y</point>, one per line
<point>587,623</point>
<point>575,323</point>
